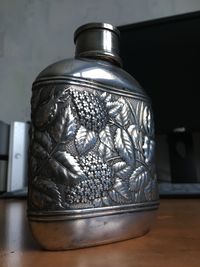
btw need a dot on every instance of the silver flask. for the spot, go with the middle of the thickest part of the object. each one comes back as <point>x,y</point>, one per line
<point>91,158</point>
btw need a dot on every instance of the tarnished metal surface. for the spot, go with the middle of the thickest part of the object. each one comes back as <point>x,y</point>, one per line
<point>91,154</point>
<point>70,234</point>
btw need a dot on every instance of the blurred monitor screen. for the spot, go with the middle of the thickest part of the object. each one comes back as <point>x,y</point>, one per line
<point>164,57</point>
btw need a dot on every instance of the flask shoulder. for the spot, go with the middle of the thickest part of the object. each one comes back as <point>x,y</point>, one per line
<point>95,70</point>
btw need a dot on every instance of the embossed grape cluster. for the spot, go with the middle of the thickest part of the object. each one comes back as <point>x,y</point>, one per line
<point>91,110</point>
<point>99,180</point>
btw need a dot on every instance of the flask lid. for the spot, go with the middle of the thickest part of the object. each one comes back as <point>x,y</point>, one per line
<point>98,40</point>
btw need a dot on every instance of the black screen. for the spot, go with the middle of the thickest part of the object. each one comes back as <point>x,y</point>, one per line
<point>164,56</point>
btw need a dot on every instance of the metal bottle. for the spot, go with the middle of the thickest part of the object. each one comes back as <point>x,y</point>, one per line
<point>91,158</point>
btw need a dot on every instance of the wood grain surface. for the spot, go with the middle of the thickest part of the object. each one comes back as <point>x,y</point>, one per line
<point>174,241</point>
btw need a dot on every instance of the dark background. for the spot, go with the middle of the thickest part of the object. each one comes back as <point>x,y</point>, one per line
<point>164,56</point>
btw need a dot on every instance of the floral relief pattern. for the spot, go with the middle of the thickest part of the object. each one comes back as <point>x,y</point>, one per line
<point>89,149</point>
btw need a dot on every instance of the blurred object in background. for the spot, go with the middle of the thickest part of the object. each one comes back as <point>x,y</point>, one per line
<point>181,154</point>
<point>4,144</point>
<point>177,160</point>
<point>13,158</point>
<point>18,149</point>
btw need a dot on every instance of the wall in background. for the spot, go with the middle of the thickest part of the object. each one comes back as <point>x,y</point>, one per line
<point>36,33</point>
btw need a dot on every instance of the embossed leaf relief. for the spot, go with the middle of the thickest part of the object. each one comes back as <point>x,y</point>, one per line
<point>45,109</point>
<point>107,149</point>
<point>140,185</point>
<point>114,108</point>
<point>106,138</point>
<point>136,136</point>
<point>106,97</point>
<point>42,145</point>
<point>145,119</point>
<point>117,198</point>
<point>122,188</point>
<point>33,165</point>
<point>71,124</point>
<point>45,114</point>
<point>105,152</point>
<point>122,170</point>
<point>123,117</point>
<point>120,192</point>
<point>148,148</point>
<point>64,126</point>
<point>63,96</point>
<point>85,140</point>
<point>124,146</point>
<point>45,192</point>
<point>137,139</point>
<point>66,168</point>
<point>57,127</point>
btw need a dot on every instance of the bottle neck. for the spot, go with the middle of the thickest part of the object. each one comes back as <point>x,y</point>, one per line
<point>98,41</point>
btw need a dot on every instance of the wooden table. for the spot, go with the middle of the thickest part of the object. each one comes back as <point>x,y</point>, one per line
<point>173,241</point>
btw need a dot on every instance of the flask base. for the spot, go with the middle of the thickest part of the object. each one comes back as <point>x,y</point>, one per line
<point>63,234</point>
